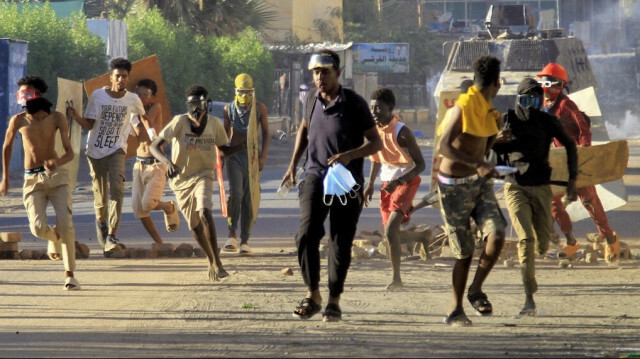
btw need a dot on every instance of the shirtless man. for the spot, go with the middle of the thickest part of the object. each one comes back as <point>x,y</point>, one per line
<point>148,173</point>
<point>44,181</point>
<point>466,189</point>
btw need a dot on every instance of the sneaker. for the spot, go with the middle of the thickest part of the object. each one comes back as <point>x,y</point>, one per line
<point>112,244</point>
<point>569,250</point>
<point>612,251</point>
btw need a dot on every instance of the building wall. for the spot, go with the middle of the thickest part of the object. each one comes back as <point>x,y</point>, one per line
<point>296,17</point>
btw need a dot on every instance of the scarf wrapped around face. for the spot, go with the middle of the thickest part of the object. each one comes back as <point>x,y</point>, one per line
<point>479,118</point>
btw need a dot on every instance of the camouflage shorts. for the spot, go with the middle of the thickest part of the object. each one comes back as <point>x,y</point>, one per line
<point>474,200</point>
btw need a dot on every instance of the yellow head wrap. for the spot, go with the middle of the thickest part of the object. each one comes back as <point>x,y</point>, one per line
<point>244,89</point>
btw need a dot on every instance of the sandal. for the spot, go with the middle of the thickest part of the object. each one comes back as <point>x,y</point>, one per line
<point>480,303</point>
<point>568,250</point>
<point>457,318</point>
<point>306,309</point>
<point>71,284</point>
<point>332,313</point>
<point>53,251</point>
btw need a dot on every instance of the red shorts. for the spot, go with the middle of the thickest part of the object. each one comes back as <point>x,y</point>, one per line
<point>401,199</point>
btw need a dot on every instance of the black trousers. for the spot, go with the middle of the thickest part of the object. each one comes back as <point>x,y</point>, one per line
<point>343,220</point>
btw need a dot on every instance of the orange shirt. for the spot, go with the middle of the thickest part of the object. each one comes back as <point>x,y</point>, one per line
<point>391,153</point>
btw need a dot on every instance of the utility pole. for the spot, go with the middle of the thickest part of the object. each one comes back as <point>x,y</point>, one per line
<point>379,10</point>
<point>420,14</point>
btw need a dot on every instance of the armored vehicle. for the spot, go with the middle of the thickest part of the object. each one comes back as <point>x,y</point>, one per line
<point>511,36</point>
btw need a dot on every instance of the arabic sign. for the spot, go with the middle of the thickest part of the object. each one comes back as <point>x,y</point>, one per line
<point>389,58</point>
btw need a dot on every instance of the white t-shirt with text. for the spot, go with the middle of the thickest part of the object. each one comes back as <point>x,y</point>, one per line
<point>112,124</point>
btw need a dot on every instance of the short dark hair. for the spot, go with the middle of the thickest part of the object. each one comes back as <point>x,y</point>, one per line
<point>196,90</point>
<point>465,84</point>
<point>384,95</point>
<point>150,84</point>
<point>120,64</point>
<point>34,81</point>
<point>486,71</point>
<point>333,54</point>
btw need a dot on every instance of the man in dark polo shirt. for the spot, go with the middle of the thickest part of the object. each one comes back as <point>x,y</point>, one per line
<point>334,132</point>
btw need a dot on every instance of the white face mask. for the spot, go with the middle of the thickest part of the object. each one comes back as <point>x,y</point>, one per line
<point>338,181</point>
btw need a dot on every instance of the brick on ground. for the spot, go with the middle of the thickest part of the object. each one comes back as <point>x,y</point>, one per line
<point>10,237</point>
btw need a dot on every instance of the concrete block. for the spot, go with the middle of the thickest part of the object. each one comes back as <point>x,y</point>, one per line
<point>358,253</point>
<point>383,248</point>
<point>10,236</point>
<point>8,246</point>
<point>26,254</point>
<point>184,250</point>
<point>361,243</point>
<point>198,252</point>
<point>10,255</point>
<point>163,250</point>
<point>82,250</point>
<point>286,271</point>
<point>591,257</point>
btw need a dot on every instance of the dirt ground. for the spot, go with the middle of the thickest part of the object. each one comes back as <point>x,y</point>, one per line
<point>166,307</point>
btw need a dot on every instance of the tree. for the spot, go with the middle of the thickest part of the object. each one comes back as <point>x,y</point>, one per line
<point>56,46</point>
<point>211,17</point>
<point>187,58</point>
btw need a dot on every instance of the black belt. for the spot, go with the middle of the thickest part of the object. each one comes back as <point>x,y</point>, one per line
<point>34,171</point>
<point>147,160</point>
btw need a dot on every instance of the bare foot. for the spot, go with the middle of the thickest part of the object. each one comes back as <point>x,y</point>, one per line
<point>395,285</point>
<point>213,273</point>
<point>529,307</point>
<point>222,273</point>
<point>217,272</point>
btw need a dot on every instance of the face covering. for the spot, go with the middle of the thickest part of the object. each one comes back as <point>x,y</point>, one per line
<point>338,181</point>
<point>196,106</point>
<point>244,96</point>
<point>526,102</point>
<point>37,104</point>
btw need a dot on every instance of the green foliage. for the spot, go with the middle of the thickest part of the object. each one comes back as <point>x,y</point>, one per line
<point>187,58</point>
<point>244,53</point>
<point>56,46</point>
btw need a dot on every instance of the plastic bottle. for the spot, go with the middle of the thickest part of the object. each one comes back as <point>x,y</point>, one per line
<point>288,185</point>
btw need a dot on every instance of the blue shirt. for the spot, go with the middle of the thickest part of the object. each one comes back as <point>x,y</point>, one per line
<point>335,128</point>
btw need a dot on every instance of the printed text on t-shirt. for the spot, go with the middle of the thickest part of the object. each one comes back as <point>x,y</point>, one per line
<point>111,121</point>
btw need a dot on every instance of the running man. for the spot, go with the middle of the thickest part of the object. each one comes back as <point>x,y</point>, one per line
<point>44,179</point>
<point>524,143</point>
<point>193,137</point>
<point>107,118</point>
<point>401,162</point>
<point>149,175</point>
<point>466,188</point>
<point>554,79</point>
